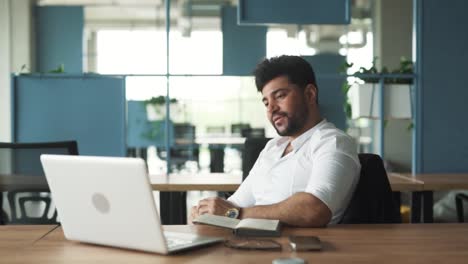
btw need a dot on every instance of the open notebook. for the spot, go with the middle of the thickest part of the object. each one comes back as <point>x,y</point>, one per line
<point>244,227</point>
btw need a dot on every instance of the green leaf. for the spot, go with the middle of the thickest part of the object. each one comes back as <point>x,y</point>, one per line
<point>348,110</point>
<point>159,100</point>
<point>345,66</point>
<point>345,87</point>
<point>59,69</point>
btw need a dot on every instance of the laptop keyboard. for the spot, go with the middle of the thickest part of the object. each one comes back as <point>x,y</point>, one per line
<point>173,242</point>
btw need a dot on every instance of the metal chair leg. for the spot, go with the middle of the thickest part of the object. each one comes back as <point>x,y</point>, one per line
<point>459,197</point>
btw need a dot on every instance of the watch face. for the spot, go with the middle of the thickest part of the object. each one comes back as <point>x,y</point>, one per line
<point>232,213</point>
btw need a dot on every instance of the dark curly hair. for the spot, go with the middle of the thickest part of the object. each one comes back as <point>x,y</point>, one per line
<point>298,71</point>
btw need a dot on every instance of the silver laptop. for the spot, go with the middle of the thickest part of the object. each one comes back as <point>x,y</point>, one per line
<point>109,201</point>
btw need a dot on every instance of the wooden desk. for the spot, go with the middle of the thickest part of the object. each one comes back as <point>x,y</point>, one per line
<point>404,243</point>
<point>401,183</point>
<point>441,181</point>
<point>19,236</point>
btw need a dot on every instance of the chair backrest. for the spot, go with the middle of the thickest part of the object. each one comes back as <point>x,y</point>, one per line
<point>258,132</point>
<point>372,201</point>
<point>23,159</point>
<point>237,128</point>
<point>187,149</point>
<point>252,148</point>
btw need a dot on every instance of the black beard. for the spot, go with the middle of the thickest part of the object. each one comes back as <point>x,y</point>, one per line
<point>295,122</point>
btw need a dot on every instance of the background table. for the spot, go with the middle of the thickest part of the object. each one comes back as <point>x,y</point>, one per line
<point>10,182</point>
<point>401,243</point>
<point>230,182</point>
<point>423,201</point>
<point>196,182</point>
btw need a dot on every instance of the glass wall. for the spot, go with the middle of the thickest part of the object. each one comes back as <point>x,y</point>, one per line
<point>210,106</point>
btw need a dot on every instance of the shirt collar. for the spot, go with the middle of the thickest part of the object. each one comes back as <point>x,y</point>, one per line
<point>300,140</point>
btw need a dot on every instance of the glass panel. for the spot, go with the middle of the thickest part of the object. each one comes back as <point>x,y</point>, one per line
<point>196,40</point>
<point>146,126</point>
<point>125,38</point>
<point>199,53</point>
<point>215,106</point>
<point>138,52</point>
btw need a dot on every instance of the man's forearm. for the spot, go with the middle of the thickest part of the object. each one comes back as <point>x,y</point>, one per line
<point>301,209</point>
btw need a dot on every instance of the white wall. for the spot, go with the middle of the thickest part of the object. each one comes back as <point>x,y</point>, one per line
<point>5,55</point>
<point>16,49</point>
<point>22,35</point>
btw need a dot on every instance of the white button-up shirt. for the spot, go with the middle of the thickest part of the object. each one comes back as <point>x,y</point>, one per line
<point>323,162</point>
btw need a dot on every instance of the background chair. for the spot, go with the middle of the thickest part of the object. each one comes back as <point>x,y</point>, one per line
<point>253,132</point>
<point>24,159</point>
<point>252,148</point>
<point>459,199</point>
<point>372,201</point>
<point>236,129</point>
<point>184,148</point>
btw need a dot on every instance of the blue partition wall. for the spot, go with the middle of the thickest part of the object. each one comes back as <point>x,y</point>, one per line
<point>89,109</point>
<point>442,53</point>
<point>294,12</point>
<point>243,46</point>
<point>329,82</point>
<point>59,38</point>
<point>142,133</point>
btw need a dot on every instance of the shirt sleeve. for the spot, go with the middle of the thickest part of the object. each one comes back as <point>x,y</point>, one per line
<point>244,196</point>
<point>333,180</point>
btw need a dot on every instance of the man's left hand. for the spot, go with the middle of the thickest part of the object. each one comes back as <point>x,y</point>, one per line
<point>214,205</point>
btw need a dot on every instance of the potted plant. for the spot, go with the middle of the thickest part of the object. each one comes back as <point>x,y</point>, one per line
<point>363,98</point>
<point>156,108</point>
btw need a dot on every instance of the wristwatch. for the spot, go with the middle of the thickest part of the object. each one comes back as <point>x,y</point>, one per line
<point>232,213</point>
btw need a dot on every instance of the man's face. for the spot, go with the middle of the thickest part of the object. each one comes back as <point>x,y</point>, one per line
<point>286,106</point>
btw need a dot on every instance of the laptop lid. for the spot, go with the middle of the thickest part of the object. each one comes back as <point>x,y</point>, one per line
<point>104,200</point>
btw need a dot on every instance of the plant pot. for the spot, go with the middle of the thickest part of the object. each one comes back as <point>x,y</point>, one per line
<point>364,100</point>
<point>155,112</point>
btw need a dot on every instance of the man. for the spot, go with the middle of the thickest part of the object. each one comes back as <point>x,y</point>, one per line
<point>305,177</point>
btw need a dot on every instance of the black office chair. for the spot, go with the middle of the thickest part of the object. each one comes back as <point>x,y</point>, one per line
<point>459,199</point>
<point>185,148</point>
<point>252,148</point>
<point>237,129</point>
<point>24,159</point>
<point>372,201</point>
<point>253,132</point>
